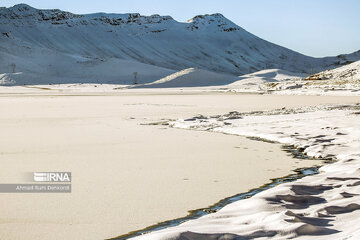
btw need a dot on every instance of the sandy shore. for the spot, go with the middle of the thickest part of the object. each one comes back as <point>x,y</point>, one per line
<point>126,175</point>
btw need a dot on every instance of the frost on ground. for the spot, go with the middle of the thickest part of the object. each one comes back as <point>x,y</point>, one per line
<point>322,206</point>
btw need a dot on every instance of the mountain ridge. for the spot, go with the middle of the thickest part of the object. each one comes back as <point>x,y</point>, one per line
<point>210,42</point>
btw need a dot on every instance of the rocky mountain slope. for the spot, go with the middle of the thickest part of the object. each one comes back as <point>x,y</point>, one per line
<point>350,72</point>
<point>53,46</point>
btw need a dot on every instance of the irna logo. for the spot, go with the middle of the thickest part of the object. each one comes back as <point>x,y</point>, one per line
<point>52,176</point>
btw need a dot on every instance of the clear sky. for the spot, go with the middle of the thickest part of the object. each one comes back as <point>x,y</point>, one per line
<point>312,27</point>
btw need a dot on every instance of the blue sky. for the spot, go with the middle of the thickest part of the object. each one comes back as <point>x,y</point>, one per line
<point>312,27</point>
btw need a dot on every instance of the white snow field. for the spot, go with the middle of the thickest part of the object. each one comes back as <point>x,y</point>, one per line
<point>191,77</point>
<point>323,206</point>
<point>53,46</point>
<point>254,82</point>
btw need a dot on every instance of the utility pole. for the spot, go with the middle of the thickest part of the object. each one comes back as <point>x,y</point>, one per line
<point>135,78</point>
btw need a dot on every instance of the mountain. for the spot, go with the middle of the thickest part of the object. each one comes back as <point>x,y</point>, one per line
<point>53,46</point>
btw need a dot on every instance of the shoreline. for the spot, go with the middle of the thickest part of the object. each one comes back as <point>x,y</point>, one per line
<point>101,140</point>
<point>197,213</point>
<point>297,174</point>
<point>314,207</point>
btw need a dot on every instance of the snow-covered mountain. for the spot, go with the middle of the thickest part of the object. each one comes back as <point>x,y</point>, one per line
<point>53,46</point>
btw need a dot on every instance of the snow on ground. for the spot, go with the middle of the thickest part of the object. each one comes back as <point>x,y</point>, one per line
<point>350,72</point>
<point>119,74</point>
<point>322,206</point>
<point>254,81</point>
<point>344,80</point>
<point>191,77</point>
